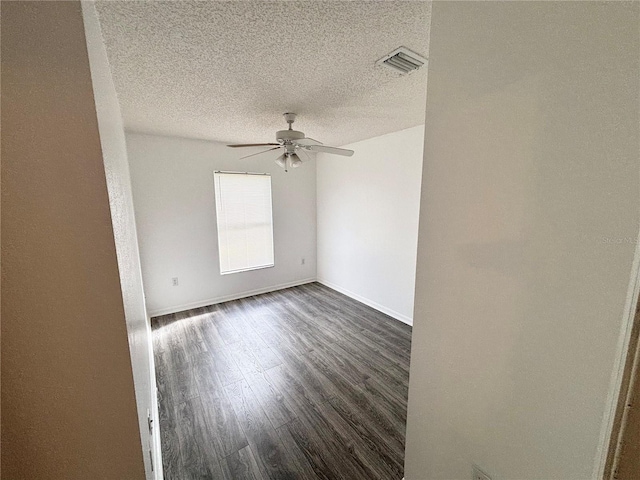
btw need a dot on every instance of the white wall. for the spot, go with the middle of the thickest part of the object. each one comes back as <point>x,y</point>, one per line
<point>116,167</point>
<point>172,181</point>
<point>368,208</point>
<point>528,224</point>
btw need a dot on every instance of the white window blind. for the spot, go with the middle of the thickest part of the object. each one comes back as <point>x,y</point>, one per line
<point>245,222</point>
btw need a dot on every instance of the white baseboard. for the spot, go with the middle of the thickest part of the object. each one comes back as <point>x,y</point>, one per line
<point>366,301</point>
<point>236,296</point>
<point>226,298</point>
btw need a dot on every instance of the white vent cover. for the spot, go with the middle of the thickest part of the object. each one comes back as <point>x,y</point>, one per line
<point>402,60</point>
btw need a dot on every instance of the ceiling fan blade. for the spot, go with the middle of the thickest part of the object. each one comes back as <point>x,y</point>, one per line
<point>253,145</point>
<point>264,151</point>
<point>333,150</point>
<point>306,155</point>
<point>308,141</point>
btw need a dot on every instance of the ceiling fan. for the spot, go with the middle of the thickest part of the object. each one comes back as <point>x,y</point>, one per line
<point>293,141</point>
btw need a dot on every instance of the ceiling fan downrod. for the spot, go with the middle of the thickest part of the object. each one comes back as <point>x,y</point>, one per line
<point>289,118</point>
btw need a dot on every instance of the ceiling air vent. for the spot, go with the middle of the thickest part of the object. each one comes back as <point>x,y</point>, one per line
<point>402,60</point>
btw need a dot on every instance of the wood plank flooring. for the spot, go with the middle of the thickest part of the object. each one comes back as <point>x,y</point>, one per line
<point>302,383</point>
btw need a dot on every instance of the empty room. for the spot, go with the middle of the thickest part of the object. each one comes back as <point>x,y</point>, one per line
<point>278,252</point>
<point>320,240</point>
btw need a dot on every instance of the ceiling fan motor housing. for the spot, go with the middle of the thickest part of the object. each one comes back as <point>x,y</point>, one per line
<point>288,135</point>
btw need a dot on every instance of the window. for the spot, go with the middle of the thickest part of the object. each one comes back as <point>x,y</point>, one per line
<point>245,223</point>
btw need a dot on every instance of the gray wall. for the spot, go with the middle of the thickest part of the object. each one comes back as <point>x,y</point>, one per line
<point>528,225</point>
<point>68,401</point>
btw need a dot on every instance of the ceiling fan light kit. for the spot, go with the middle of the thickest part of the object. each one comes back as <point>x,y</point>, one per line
<point>295,160</point>
<point>281,161</point>
<point>293,141</point>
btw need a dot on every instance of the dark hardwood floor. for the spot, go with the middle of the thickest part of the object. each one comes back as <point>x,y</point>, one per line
<point>301,383</point>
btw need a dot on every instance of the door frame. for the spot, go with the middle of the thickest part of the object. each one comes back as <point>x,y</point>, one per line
<point>627,389</point>
<point>627,362</point>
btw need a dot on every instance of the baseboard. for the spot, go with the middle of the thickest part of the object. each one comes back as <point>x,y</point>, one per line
<point>236,296</point>
<point>366,301</point>
<point>227,298</point>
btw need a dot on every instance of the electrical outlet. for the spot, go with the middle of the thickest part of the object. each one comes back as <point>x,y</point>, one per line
<point>174,281</point>
<point>478,474</point>
<point>302,262</point>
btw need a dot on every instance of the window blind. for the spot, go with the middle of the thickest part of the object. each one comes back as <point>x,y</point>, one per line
<point>245,222</point>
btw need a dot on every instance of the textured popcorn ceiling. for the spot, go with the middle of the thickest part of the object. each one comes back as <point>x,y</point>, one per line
<point>227,71</point>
